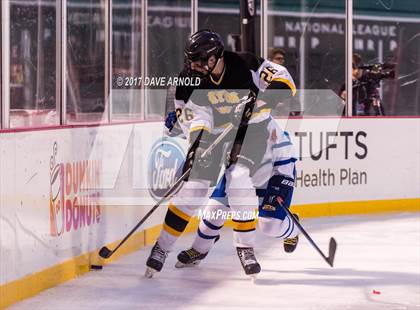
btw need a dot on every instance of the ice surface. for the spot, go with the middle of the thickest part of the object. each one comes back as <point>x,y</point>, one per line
<point>378,253</point>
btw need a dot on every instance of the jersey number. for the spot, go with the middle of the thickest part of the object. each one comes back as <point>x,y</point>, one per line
<point>267,74</point>
<point>184,115</point>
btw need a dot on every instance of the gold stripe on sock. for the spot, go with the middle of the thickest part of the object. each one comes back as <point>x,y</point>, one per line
<point>171,231</point>
<point>179,213</point>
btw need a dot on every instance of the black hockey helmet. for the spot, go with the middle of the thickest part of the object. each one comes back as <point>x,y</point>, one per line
<point>203,44</point>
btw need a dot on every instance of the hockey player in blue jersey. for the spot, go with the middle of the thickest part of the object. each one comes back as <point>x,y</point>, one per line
<point>272,192</point>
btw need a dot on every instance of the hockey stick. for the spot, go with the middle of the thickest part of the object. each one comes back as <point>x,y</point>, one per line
<point>332,246</point>
<point>105,252</point>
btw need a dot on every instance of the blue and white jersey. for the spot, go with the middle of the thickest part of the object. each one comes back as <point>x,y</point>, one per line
<point>279,158</point>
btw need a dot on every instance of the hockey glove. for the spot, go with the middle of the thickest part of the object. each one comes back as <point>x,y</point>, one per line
<point>241,114</point>
<point>201,143</point>
<point>204,161</point>
<point>170,120</point>
<point>279,191</point>
<point>195,156</point>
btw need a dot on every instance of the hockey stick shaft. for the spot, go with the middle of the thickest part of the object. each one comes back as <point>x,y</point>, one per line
<point>167,195</point>
<point>217,140</point>
<point>106,253</point>
<point>332,246</point>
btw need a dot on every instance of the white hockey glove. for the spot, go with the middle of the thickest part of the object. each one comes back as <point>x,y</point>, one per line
<point>241,113</point>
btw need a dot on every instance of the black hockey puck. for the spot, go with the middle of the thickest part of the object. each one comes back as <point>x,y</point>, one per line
<point>96,267</point>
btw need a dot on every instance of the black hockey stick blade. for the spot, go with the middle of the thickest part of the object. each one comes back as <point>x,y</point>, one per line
<point>105,252</point>
<point>333,244</point>
<point>331,253</point>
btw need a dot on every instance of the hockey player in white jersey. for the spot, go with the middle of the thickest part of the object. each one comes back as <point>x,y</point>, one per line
<point>225,78</point>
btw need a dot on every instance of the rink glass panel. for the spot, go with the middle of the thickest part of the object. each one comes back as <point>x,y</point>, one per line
<point>169,26</point>
<point>224,18</point>
<point>33,100</point>
<point>85,69</point>
<point>126,58</point>
<point>388,31</point>
<point>1,73</point>
<point>316,64</point>
<point>314,58</point>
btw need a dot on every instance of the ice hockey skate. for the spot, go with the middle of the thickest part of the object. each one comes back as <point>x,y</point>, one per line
<point>155,261</point>
<point>248,261</point>
<point>290,244</point>
<point>189,258</point>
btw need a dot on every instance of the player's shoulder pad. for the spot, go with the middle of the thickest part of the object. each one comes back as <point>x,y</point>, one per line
<point>183,92</point>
